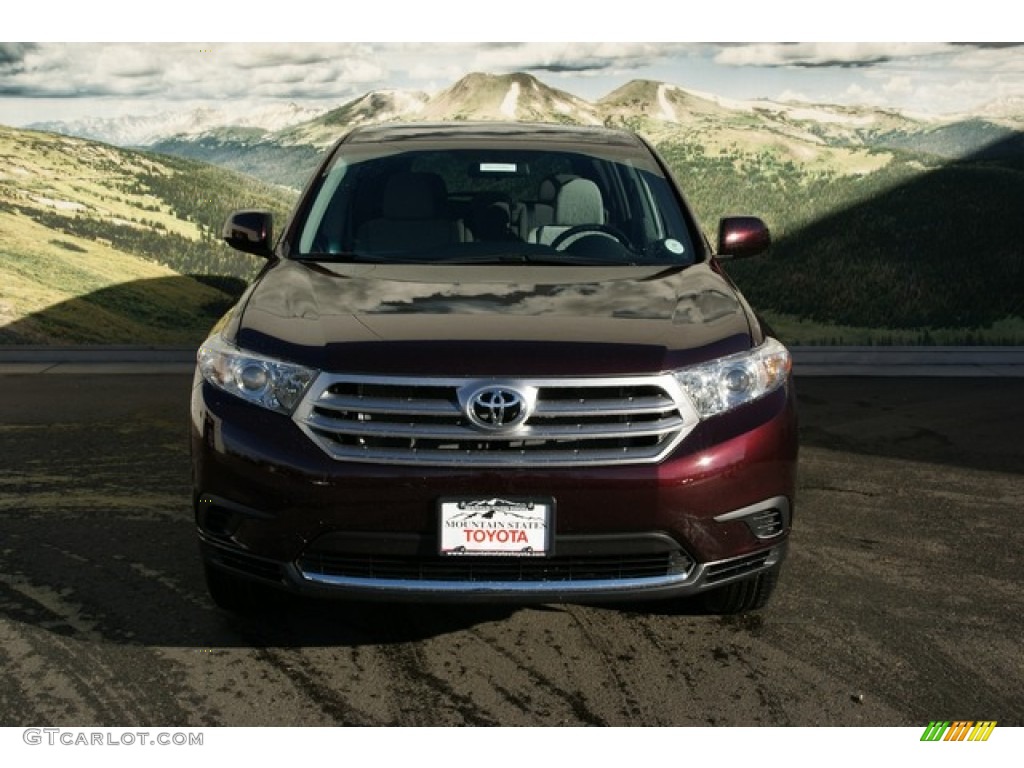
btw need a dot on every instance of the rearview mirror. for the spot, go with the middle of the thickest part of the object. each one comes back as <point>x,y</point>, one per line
<point>740,237</point>
<point>250,231</point>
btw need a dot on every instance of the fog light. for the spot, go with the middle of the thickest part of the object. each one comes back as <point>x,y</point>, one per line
<point>766,519</point>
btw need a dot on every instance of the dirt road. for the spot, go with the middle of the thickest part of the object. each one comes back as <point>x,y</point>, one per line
<point>901,601</point>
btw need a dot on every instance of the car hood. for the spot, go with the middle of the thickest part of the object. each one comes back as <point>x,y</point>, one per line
<point>492,320</point>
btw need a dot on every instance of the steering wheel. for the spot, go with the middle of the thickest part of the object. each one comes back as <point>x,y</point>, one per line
<point>603,230</point>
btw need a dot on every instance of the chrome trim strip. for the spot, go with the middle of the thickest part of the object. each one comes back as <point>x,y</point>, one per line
<point>691,582</point>
<point>638,405</point>
<point>332,402</point>
<point>562,588</point>
<point>452,432</point>
<point>780,503</point>
<point>522,458</point>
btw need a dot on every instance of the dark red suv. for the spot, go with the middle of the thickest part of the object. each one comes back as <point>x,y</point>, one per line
<point>493,362</point>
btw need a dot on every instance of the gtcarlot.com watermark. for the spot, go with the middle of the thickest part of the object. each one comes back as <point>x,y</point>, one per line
<point>73,737</point>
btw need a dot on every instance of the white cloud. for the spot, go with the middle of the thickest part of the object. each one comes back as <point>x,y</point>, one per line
<point>573,57</point>
<point>180,72</point>
<point>858,94</point>
<point>898,85</point>
<point>1002,60</point>
<point>824,54</point>
<point>934,77</point>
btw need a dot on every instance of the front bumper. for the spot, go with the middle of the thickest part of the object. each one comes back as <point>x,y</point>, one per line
<point>272,507</point>
<point>558,584</point>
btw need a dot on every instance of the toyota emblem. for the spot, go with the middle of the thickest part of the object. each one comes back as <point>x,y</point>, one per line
<point>497,408</point>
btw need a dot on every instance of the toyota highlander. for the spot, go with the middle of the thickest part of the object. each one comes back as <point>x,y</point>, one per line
<point>493,362</point>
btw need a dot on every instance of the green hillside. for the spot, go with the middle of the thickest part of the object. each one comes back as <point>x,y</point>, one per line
<point>105,245</point>
<point>967,138</point>
<point>918,251</point>
<point>259,156</point>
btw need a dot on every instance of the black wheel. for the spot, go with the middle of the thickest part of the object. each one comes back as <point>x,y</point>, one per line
<point>583,230</point>
<point>742,596</point>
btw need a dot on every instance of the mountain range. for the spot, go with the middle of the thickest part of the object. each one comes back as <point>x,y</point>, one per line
<point>281,144</point>
<point>146,130</point>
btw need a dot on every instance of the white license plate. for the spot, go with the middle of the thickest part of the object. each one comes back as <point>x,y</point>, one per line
<point>496,526</point>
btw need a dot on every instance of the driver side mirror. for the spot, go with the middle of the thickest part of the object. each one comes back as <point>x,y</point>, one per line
<point>740,237</point>
<point>251,232</point>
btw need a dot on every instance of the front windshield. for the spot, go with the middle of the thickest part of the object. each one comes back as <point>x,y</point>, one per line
<point>478,206</point>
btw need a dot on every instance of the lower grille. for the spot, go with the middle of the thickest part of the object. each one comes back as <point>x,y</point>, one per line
<point>506,569</point>
<point>246,563</point>
<point>739,566</point>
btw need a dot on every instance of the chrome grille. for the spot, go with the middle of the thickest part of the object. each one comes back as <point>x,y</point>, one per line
<point>401,420</point>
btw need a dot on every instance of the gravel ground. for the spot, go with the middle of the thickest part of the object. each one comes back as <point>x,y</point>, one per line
<point>900,603</point>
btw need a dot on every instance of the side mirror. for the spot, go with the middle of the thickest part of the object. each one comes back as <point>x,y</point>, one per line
<point>250,231</point>
<point>740,237</point>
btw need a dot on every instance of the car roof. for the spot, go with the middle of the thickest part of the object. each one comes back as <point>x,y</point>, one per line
<point>540,135</point>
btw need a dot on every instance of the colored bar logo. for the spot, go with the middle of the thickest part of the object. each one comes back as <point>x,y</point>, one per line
<point>959,730</point>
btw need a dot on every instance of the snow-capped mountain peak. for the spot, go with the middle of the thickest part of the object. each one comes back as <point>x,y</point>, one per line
<point>144,130</point>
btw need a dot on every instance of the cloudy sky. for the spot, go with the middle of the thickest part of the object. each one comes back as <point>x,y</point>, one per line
<point>61,81</point>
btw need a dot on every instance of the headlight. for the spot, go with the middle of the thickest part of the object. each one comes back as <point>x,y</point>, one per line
<point>263,381</point>
<point>729,382</point>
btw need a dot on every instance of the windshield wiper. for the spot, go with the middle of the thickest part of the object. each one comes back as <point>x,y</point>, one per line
<point>557,260</point>
<point>343,258</point>
<point>483,258</point>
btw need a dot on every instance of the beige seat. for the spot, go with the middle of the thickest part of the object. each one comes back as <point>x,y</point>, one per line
<point>413,216</point>
<point>578,202</point>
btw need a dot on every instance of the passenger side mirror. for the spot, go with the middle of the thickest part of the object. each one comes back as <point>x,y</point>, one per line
<point>250,231</point>
<point>740,237</point>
